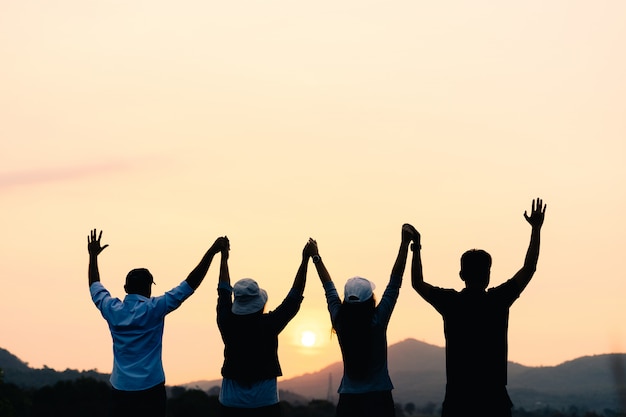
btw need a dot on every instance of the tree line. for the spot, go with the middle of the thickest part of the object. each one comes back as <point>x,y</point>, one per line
<point>90,397</point>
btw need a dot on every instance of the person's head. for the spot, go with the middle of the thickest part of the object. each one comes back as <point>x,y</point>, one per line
<point>357,307</point>
<point>475,269</point>
<point>249,297</point>
<point>358,290</point>
<point>139,281</point>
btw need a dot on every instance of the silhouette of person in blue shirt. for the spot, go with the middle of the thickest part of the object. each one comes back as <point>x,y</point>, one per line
<point>136,324</point>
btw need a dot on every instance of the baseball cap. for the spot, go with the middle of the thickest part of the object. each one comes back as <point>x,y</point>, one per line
<point>358,289</point>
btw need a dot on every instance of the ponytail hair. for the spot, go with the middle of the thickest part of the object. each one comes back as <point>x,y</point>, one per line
<point>353,326</point>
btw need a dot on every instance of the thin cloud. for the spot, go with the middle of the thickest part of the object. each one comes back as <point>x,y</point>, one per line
<point>35,177</point>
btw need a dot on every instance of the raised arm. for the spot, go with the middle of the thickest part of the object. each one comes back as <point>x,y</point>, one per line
<point>94,248</point>
<point>322,272</point>
<point>400,264</point>
<point>224,276</point>
<point>300,280</point>
<point>199,272</point>
<point>535,220</point>
<point>417,278</point>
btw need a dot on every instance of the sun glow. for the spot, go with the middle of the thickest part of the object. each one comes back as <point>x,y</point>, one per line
<point>308,338</point>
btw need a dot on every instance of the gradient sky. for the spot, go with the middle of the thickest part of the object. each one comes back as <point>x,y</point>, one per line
<point>168,124</point>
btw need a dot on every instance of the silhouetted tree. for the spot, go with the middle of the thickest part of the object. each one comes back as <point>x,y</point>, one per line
<point>14,402</point>
<point>191,403</point>
<point>78,398</point>
<point>90,397</point>
<point>321,408</point>
<point>315,408</point>
<point>428,409</point>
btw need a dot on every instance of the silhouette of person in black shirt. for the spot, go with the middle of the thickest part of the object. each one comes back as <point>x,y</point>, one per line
<point>476,325</point>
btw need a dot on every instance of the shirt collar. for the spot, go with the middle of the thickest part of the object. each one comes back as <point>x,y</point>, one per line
<point>135,297</point>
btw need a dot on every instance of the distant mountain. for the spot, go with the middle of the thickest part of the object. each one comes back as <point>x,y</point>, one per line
<point>591,382</point>
<point>417,371</point>
<point>19,373</point>
<point>10,361</point>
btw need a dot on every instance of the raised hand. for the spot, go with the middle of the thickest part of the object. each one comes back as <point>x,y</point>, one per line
<point>537,213</point>
<point>407,232</point>
<point>221,244</point>
<point>224,245</point>
<point>310,249</point>
<point>93,243</point>
<point>410,233</point>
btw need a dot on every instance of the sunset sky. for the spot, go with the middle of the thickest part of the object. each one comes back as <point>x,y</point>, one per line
<point>168,124</point>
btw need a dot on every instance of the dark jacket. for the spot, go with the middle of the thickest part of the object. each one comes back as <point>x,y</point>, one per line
<point>251,341</point>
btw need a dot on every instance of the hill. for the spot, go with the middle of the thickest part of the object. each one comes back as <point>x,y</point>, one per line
<point>417,370</point>
<point>19,373</point>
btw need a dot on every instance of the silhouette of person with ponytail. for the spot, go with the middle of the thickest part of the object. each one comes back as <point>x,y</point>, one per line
<point>361,327</point>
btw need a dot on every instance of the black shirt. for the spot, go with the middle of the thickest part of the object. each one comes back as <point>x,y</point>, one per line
<point>476,326</point>
<point>251,340</point>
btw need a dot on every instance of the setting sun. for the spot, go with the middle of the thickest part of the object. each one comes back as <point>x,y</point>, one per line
<point>307,338</point>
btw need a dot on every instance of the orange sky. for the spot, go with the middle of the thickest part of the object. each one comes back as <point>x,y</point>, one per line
<point>167,125</point>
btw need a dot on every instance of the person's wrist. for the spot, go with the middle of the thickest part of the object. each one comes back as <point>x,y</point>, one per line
<point>316,258</point>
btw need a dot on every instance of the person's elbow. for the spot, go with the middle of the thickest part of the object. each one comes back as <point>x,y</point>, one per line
<point>420,287</point>
<point>529,268</point>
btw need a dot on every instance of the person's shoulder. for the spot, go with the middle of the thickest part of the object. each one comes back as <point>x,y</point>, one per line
<point>438,296</point>
<point>181,290</point>
<point>505,293</point>
<point>509,285</point>
<point>445,291</point>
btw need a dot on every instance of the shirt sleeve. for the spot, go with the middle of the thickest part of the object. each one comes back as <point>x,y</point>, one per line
<point>173,298</point>
<point>102,299</point>
<point>224,303</point>
<point>507,292</point>
<point>286,310</point>
<point>332,299</point>
<point>99,294</point>
<point>388,300</point>
<point>439,298</point>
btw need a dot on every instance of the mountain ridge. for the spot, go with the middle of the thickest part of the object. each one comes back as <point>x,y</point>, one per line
<point>417,370</point>
<point>16,371</point>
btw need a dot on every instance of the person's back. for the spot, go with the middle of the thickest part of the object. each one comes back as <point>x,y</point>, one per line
<point>251,367</point>
<point>251,340</point>
<point>476,326</point>
<point>136,325</point>
<point>363,345</point>
<point>361,327</point>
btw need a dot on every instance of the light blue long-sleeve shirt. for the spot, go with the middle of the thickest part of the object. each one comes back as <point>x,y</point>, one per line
<point>136,326</point>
